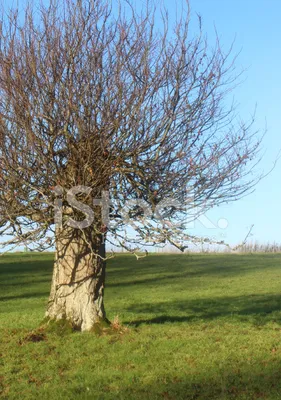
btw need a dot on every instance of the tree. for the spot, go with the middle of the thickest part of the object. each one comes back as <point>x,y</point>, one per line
<point>97,103</point>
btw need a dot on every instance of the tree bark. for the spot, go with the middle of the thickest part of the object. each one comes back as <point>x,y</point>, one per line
<point>77,291</point>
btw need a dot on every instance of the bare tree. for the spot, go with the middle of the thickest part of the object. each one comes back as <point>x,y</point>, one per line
<point>110,105</point>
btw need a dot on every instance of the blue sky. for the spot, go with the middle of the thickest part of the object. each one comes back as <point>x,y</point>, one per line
<point>255,26</point>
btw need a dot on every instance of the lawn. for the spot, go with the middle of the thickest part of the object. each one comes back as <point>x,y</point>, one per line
<point>195,327</point>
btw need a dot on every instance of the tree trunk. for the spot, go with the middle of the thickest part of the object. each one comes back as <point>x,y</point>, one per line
<point>77,289</point>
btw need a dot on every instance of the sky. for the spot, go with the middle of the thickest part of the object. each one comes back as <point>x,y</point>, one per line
<point>255,27</point>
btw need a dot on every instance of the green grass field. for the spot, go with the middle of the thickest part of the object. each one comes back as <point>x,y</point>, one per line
<point>199,327</point>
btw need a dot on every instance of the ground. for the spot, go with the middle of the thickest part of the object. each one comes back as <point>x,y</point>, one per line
<point>194,327</point>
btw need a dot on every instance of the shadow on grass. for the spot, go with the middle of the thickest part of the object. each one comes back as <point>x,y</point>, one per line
<point>25,277</point>
<point>27,295</point>
<point>125,271</point>
<point>26,283</point>
<point>258,309</point>
<point>32,266</point>
<point>261,382</point>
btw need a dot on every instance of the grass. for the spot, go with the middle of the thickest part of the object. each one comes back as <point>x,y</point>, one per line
<point>199,327</point>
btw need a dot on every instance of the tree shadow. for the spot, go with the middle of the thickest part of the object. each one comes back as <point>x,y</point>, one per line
<point>28,295</point>
<point>258,309</point>
<point>260,382</point>
<point>170,267</point>
<point>17,267</point>
<point>24,277</point>
<point>25,283</point>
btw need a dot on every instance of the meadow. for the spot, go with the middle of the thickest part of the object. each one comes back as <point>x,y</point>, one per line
<point>186,327</point>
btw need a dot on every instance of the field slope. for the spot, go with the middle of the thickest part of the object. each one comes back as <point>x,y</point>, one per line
<point>199,327</point>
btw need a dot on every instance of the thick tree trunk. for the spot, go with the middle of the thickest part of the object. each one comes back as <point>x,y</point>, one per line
<point>78,279</point>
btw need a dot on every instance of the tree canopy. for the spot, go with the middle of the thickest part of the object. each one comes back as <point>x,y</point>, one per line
<point>104,110</point>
